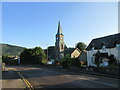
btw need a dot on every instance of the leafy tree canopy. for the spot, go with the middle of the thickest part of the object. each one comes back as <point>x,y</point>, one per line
<point>32,56</point>
<point>9,60</point>
<point>81,46</point>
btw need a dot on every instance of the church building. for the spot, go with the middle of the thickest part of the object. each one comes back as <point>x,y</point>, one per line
<point>59,44</point>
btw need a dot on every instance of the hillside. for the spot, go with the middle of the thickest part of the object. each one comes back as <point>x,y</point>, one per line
<point>10,49</point>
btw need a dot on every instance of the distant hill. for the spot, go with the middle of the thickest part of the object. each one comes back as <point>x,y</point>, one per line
<point>11,49</point>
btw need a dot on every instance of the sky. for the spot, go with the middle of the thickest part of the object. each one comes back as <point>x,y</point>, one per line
<point>30,24</point>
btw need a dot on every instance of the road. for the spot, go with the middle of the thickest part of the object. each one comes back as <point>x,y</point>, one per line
<point>42,77</point>
<point>11,79</point>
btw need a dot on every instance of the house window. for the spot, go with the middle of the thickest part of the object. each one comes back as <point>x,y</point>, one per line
<point>73,56</point>
<point>117,46</point>
<point>103,46</point>
<point>93,48</point>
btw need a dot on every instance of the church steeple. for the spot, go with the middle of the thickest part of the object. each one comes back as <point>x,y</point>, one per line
<point>59,29</point>
<point>59,44</point>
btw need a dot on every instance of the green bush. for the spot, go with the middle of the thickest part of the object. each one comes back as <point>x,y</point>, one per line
<point>76,62</point>
<point>66,61</point>
<point>33,56</point>
<point>44,61</point>
<point>9,60</point>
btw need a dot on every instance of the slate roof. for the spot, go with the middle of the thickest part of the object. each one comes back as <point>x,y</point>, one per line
<point>69,50</point>
<point>51,52</point>
<point>109,42</point>
<point>83,56</point>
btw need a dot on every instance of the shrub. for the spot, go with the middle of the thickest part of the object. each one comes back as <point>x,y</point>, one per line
<point>9,60</point>
<point>33,56</point>
<point>66,61</point>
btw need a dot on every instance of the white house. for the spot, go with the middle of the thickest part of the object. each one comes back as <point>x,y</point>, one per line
<point>106,46</point>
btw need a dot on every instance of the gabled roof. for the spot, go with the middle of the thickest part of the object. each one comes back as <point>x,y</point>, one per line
<point>70,50</point>
<point>108,41</point>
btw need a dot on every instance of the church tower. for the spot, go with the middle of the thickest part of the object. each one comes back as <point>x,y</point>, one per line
<point>59,44</point>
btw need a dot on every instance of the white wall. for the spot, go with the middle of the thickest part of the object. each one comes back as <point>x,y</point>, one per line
<point>114,51</point>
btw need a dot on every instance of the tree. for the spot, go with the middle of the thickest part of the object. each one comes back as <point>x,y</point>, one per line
<point>76,62</point>
<point>66,61</point>
<point>9,60</point>
<point>81,46</point>
<point>32,56</point>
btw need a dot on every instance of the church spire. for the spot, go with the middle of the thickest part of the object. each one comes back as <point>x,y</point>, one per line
<point>59,29</point>
<point>59,44</point>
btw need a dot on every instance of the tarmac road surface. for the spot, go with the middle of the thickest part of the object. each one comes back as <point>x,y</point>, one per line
<point>11,79</point>
<point>41,77</point>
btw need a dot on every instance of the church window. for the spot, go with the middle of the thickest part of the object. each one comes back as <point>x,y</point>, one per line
<point>61,46</point>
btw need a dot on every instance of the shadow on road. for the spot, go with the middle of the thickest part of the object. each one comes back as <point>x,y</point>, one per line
<point>77,84</point>
<point>10,75</point>
<point>28,73</point>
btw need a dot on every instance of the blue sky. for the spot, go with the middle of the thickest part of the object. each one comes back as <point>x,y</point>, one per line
<point>31,24</point>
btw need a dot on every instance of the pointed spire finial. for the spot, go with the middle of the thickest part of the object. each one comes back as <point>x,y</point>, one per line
<point>59,22</point>
<point>59,28</point>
